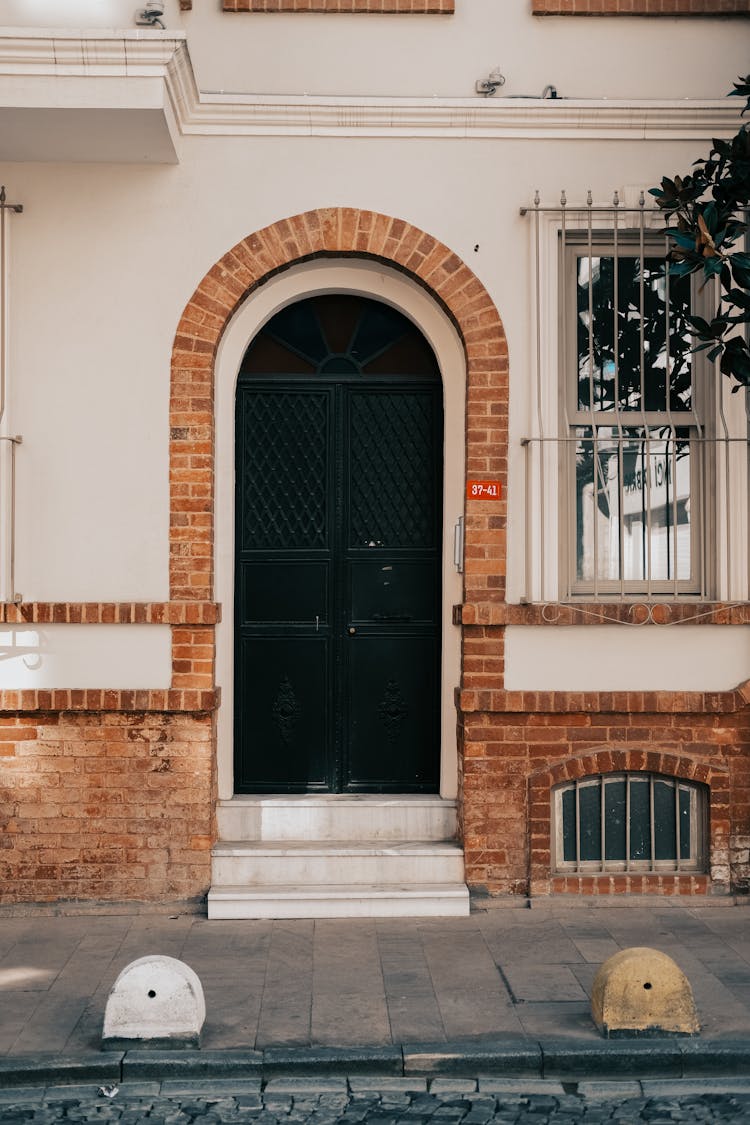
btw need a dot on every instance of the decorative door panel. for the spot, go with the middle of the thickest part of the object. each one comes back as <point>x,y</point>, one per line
<point>392,711</point>
<point>283,713</point>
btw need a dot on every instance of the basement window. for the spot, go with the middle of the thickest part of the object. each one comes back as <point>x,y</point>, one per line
<point>629,822</point>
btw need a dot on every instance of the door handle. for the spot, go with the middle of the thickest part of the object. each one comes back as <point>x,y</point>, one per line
<point>351,630</point>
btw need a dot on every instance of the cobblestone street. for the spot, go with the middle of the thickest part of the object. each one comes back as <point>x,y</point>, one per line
<point>448,1102</point>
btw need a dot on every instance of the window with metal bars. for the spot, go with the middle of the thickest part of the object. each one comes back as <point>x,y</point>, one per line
<point>629,822</point>
<point>634,411</point>
<point>636,458</point>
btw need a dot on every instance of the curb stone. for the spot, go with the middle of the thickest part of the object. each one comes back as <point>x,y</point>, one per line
<point>409,1065</point>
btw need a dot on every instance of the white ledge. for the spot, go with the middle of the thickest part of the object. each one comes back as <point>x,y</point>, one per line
<point>308,115</point>
<point>138,89</point>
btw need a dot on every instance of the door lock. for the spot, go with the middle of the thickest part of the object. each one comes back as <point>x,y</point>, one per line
<point>352,630</point>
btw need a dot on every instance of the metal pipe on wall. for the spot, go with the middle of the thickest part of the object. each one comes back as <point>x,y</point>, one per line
<point>8,440</point>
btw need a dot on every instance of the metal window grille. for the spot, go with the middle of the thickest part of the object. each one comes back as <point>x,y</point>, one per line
<point>649,456</point>
<point>629,822</point>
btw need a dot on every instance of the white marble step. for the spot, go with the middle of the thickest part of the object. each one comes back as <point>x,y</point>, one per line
<point>336,901</point>
<point>302,862</point>
<point>337,817</point>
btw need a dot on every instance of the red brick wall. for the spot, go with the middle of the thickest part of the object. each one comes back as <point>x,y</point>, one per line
<point>518,745</point>
<point>111,806</point>
<point>640,7</point>
<point>387,7</point>
<point>110,794</point>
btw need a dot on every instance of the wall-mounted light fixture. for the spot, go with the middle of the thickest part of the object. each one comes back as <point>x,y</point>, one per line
<point>150,16</point>
<point>488,86</point>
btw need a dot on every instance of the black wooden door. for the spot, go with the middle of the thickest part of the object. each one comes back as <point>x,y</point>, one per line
<point>338,494</point>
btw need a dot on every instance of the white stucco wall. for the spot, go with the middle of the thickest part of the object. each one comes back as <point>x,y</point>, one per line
<point>104,257</point>
<point>617,658</point>
<point>128,657</point>
<point>423,56</point>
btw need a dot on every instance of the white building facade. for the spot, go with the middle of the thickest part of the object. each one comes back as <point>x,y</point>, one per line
<point>369,529</point>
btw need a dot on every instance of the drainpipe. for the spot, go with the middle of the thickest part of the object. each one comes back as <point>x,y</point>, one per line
<point>8,440</point>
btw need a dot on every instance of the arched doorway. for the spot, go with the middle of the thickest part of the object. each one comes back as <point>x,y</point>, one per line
<point>338,547</point>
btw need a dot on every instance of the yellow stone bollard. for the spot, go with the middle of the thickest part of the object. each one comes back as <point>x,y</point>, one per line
<point>641,991</point>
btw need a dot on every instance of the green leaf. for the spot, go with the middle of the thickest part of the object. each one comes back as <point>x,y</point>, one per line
<point>685,240</point>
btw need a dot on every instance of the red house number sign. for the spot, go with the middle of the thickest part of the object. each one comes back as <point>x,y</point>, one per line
<point>483,490</point>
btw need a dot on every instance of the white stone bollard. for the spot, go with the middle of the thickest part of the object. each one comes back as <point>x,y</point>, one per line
<point>155,1000</point>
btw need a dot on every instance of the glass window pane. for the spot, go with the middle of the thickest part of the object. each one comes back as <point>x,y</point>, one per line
<point>640,819</point>
<point>626,298</point>
<point>589,799</point>
<point>614,819</point>
<point>633,504</point>
<point>616,827</point>
<point>569,825</point>
<point>686,825</point>
<point>665,838</point>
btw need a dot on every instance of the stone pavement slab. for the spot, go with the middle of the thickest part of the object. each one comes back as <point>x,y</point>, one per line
<point>450,990</point>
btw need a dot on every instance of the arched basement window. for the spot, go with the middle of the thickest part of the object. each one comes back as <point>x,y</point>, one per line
<point>629,822</point>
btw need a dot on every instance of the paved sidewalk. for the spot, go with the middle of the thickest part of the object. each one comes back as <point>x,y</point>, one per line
<point>504,974</point>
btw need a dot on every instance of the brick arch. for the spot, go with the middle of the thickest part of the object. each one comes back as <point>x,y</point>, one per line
<point>609,759</point>
<point>330,232</point>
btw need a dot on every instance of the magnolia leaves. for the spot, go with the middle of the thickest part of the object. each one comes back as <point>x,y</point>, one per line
<point>706,213</point>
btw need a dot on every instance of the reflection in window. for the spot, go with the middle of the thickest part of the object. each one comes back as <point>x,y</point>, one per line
<point>633,503</point>
<point>634,425</point>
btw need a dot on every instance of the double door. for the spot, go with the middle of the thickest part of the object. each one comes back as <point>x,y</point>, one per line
<point>337,593</point>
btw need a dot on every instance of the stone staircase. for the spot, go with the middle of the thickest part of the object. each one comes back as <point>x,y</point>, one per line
<point>342,856</point>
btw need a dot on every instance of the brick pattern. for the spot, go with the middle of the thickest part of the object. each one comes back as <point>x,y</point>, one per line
<point>193,658</point>
<point>329,233</point>
<point>603,613</point>
<point>512,760</point>
<point>494,699</point>
<point>111,613</point>
<point>384,7</point>
<point>106,806</point>
<point>640,7</point>
<point>108,699</point>
<point>706,759</point>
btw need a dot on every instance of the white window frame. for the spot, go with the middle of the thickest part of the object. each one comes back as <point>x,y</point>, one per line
<point>697,420</point>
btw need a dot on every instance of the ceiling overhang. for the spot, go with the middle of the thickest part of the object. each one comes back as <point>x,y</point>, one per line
<point>105,96</point>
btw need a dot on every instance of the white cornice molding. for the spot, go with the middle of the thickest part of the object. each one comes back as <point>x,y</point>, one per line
<point>41,52</point>
<point>517,118</point>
